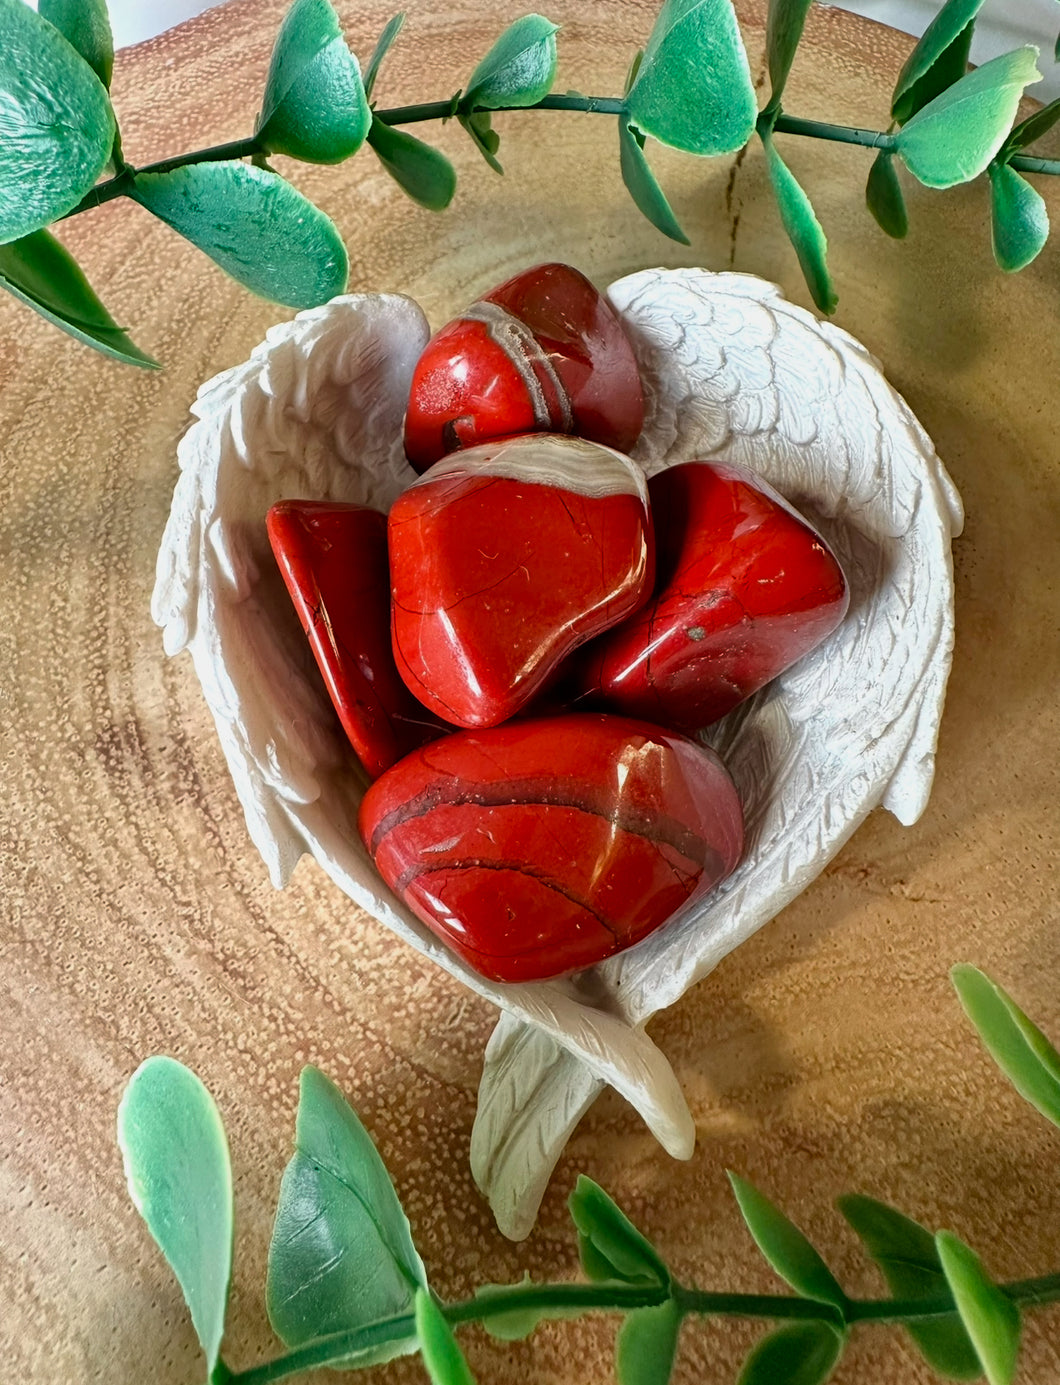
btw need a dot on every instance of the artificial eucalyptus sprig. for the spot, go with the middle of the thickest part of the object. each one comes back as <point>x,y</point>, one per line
<point>347,1287</point>
<point>689,88</point>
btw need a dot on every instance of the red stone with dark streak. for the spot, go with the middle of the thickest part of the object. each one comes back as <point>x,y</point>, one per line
<point>744,588</point>
<point>544,846</point>
<point>503,560</point>
<point>334,562</point>
<point>542,352</point>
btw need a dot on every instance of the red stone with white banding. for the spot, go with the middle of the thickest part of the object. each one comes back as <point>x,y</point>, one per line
<point>504,559</point>
<point>542,352</point>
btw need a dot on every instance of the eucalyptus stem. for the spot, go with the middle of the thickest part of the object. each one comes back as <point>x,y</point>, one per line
<point>840,134</point>
<point>549,1300</point>
<point>121,184</point>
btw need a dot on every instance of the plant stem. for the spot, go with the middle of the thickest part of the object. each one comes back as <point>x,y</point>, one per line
<point>841,134</point>
<point>121,184</point>
<point>549,1300</point>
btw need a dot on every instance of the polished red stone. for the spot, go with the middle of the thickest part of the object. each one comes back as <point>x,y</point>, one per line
<point>744,587</point>
<point>334,562</point>
<point>542,352</point>
<point>544,846</point>
<point>504,559</point>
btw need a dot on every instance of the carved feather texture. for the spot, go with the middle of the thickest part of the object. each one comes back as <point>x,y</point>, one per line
<point>732,371</point>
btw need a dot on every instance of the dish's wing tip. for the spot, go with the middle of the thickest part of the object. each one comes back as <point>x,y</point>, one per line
<point>534,1091</point>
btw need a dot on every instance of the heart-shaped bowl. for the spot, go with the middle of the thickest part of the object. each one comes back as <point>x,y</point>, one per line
<point>732,371</point>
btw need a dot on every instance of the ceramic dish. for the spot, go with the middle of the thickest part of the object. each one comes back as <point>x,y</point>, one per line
<point>732,371</point>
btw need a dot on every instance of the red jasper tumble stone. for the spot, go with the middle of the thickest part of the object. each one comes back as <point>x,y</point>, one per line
<point>744,588</point>
<point>505,558</point>
<point>334,562</point>
<point>544,846</point>
<point>542,352</point>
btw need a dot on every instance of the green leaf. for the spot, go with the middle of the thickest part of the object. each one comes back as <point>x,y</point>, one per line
<point>801,1353</point>
<point>641,184</point>
<point>785,1247</point>
<point>802,227</point>
<point>512,1324</point>
<point>908,1257</point>
<point>1031,129</point>
<point>484,136</point>
<point>939,59</point>
<point>382,48</point>
<point>992,1319</point>
<point>784,27</point>
<point>647,1345</point>
<point>425,174</point>
<point>315,107</point>
<point>1017,1046</point>
<point>443,1358</point>
<point>176,1164</point>
<point>342,1254</point>
<point>86,25</point>
<point>694,90</point>
<point>610,1245</point>
<point>255,225</point>
<point>883,196</point>
<point>1019,221</point>
<point>39,270</point>
<point>518,70</point>
<point>56,122</point>
<point>955,136</point>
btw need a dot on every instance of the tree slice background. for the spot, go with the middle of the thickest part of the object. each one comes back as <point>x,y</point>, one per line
<point>828,1054</point>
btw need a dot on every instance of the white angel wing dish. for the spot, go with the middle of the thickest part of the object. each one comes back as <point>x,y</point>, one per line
<point>731,371</point>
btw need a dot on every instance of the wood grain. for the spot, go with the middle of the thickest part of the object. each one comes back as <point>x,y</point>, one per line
<point>827,1054</point>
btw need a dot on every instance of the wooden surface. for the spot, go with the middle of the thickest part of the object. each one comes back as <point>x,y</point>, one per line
<point>826,1055</point>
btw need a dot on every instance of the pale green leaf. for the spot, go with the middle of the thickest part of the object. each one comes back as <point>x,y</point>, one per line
<point>57,124</point>
<point>641,183</point>
<point>315,107</point>
<point>1018,1046</point>
<point>611,1247</point>
<point>939,58</point>
<point>86,25</point>
<point>909,1260</point>
<point>1019,221</point>
<point>883,196</point>
<point>39,270</point>
<point>177,1166</point>
<point>800,1353</point>
<point>693,89</point>
<point>342,1254</point>
<point>518,70</point>
<point>646,1347</point>
<point>954,137</point>
<point>255,225</point>
<point>785,1246</point>
<point>382,48</point>
<point>424,173</point>
<point>784,26</point>
<point>990,1316</point>
<point>802,227</point>
<point>443,1358</point>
